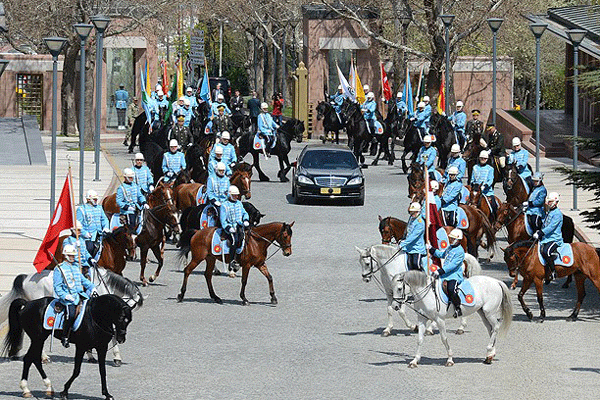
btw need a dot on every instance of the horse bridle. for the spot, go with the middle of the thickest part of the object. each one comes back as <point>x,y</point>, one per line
<point>512,219</point>
<point>273,242</point>
<point>380,266</point>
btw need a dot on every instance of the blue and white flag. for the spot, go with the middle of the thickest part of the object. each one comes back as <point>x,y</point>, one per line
<point>145,100</point>
<point>408,94</point>
<point>205,88</point>
<point>347,90</point>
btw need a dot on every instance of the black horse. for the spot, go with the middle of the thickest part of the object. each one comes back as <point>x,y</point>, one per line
<point>241,123</point>
<point>383,142</point>
<point>331,121</point>
<point>394,123</point>
<point>95,332</point>
<point>356,128</point>
<point>445,137</point>
<point>412,142</point>
<point>190,217</point>
<point>290,130</point>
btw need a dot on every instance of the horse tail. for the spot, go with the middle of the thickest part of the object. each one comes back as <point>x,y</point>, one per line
<point>16,292</point>
<point>473,267</point>
<point>14,338</point>
<point>488,230</point>
<point>506,309</point>
<point>185,244</point>
<point>568,229</point>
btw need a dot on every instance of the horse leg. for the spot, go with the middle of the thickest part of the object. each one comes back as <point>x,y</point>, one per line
<point>421,323</point>
<point>186,274</point>
<point>539,289</point>
<point>263,269</point>
<point>403,159</point>
<point>444,337</point>
<point>210,265</point>
<point>143,260</point>
<point>492,325</point>
<point>280,174</point>
<point>579,282</point>
<point>102,349</point>
<point>256,164</point>
<point>463,325</point>
<point>33,356</point>
<point>45,357</point>
<point>90,357</point>
<point>377,153</point>
<point>390,312</point>
<point>79,352</point>
<point>158,253</point>
<point>527,281</point>
<point>513,286</point>
<point>118,361</point>
<point>567,282</point>
<point>245,273</point>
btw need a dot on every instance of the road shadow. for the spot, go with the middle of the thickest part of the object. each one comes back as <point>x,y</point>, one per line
<point>584,369</point>
<point>38,394</point>
<point>378,332</point>
<point>372,300</point>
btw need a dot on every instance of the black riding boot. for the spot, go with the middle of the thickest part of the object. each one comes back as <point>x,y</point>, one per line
<point>68,324</point>
<point>456,304</point>
<point>550,270</point>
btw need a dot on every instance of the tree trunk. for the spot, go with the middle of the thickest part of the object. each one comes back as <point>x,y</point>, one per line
<point>90,88</point>
<point>67,88</point>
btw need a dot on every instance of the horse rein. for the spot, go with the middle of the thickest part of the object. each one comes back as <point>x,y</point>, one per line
<point>380,266</point>
<point>512,219</point>
<point>274,243</point>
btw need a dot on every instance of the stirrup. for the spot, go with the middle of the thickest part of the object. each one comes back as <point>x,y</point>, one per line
<point>457,312</point>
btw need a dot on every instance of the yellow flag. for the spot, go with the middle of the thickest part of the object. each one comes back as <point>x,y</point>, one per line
<point>180,78</point>
<point>148,88</point>
<point>360,93</point>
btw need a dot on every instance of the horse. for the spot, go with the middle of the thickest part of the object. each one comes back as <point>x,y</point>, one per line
<point>393,228</point>
<point>241,123</point>
<point>96,331</point>
<point>492,303</point>
<point>522,257</point>
<point>416,182</point>
<point>383,142</point>
<point>478,227</point>
<point>290,130</point>
<point>478,200</point>
<point>356,129</point>
<point>471,154</point>
<point>160,195</point>
<point>445,137</point>
<point>258,240</point>
<point>197,163</point>
<point>190,217</point>
<point>394,123</point>
<point>514,187</point>
<point>390,261</point>
<point>412,142</point>
<point>332,122</point>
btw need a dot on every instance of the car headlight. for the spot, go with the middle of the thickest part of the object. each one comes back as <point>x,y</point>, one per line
<point>305,180</point>
<point>355,181</point>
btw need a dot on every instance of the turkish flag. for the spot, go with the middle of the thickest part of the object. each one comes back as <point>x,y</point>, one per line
<point>434,222</point>
<point>387,91</point>
<point>63,218</point>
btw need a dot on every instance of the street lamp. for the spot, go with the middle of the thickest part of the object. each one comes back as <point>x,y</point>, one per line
<point>537,29</point>
<point>101,23</point>
<point>405,21</point>
<point>55,46</point>
<point>447,20</point>
<point>221,46</point>
<point>83,31</point>
<point>576,36</point>
<point>3,65</point>
<point>494,24</point>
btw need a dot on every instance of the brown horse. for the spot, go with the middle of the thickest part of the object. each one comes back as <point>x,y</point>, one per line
<point>162,192</point>
<point>477,199</point>
<point>522,257</point>
<point>258,240</point>
<point>416,182</point>
<point>515,190</point>
<point>393,228</point>
<point>478,227</point>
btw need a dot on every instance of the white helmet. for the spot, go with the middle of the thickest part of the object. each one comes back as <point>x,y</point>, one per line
<point>339,87</point>
<point>220,97</point>
<point>233,190</point>
<point>484,154</point>
<point>182,98</point>
<point>219,150</point>
<point>186,102</point>
<point>189,89</point>
<point>264,106</point>
<point>553,197</point>
<point>434,185</point>
<point>69,250</point>
<point>91,194</point>
<point>128,173</point>
<point>453,170</point>
<point>414,206</point>
<point>516,141</point>
<point>139,156</point>
<point>421,105</point>
<point>370,95</point>
<point>366,88</point>
<point>399,95</point>
<point>427,139</point>
<point>159,93</point>
<point>221,166</point>
<point>426,99</point>
<point>158,87</point>
<point>173,143</point>
<point>482,143</point>
<point>225,135</point>
<point>459,104</point>
<point>456,234</point>
<point>455,148</point>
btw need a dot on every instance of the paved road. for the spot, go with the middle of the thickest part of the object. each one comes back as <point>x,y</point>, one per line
<point>323,339</point>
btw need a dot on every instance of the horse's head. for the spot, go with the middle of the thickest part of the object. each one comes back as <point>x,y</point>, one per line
<point>299,131</point>
<point>366,263</point>
<point>241,179</point>
<point>284,238</point>
<point>504,214</point>
<point>166,214</point>
<point>511,176</point>
<point>475,194</point>
<point>182,176</point>
<point>122,239</point>
<point>162,194</point>
<point>122,322</point>
<point>385,230</point>
<point>321,108</point>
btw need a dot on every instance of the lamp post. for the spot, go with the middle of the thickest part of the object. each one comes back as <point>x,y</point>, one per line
<point>447,20</point>
<point>576,36</point>
<point>537,29</point>
<point>405,21</point>
<point>83,31</point>
<point>101,23</point>
<point>494,24</point>
<point>55,46</point>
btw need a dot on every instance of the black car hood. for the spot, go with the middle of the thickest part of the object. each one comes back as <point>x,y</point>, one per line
<point>333,172</point>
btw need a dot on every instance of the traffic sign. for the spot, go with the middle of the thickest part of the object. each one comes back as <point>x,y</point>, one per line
<point>196,55</point>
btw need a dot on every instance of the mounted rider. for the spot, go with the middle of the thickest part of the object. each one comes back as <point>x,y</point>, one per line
<point>427,155</point>
<point>401,107</point>
<point>455,160</point>
<point>181,133</point>
<point>452,271</point>
<point>550,236</point>
<point>519,158</point>
<point>221,122</point>
<point>154,94</point>
<point>76,239</point>
<point>534,206</point>
<point>337,99</point>
<point>130,199</point>
<point>451,197</point>
<point>217,186</point>
<point>177,106</point>
<point>234,219</point>
<point>414,242</point>
<point>421,119</point>
<point>214,108</point>
<point>495,143</point>
<point>70,286</point>
<point>189,94</point>
<point>428,108</point>
<point>459,120</point>
<point>143,175</point>
<point>92,217</point>
<point>266,127</point>
<point>229,155</point>
<point>216,157</point>
<point>369,109</point>
<point>173,161</point>
<point>162,102</point>
<point>474,126</point>
<point>483,175</point>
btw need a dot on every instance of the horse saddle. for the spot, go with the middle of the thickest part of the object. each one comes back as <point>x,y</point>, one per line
<point>115,222</point>
<point>220,245</point>
<point>201,197</point>
<point>528,227</point>
<point>55,314</point>
<point>208,128</point>
<point>461,217</point>
<point>465,292</point>
<point>378,128</point>
<point>564,257</point>
<point>464,195</point>
<point>259,143</point>
<point>209,217</point>
<point>442,239</point>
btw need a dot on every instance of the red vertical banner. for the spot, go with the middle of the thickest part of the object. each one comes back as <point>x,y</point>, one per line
<point>385,85</point>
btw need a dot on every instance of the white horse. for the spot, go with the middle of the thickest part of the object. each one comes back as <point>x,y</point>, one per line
<point>38,285</point>
<point>389,262</point>
<point>492,303</point>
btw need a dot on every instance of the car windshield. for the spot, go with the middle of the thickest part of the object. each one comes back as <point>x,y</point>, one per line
<point>329,159</point>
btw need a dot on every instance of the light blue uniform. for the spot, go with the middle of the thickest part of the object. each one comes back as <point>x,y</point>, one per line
<point>173,163</point>
<point>459,119</point>
<point>453,263</point>
<point>401,107</point>
<point>93,220</point>
<point>232,214</point>
<point>414,243</point>
<point>266,125</point>
<point>552,227</point>
<point>217,188</point>
<point>121,99</point>
<point>338,100</point>
<point>451,196</point>
<point>193,101</point>
<point>431,153</point>
<point>212,167</point>
<point>536,201</point>
<point>214,109</point>
<point>130,195</point>
<point>484,176</point>
<point>143,178</point>
<point>85,256</point>
<point>459,163</point>
<point>520,159</point>
<point>369,108</point>
<point>164,103</point>
<point>187,113</point>
<point>229,156</point>
<point>70,282</point>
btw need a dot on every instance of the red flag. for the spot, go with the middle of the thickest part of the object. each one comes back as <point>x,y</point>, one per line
<point>63,218</point>
<point>434,222</point>
<point>387,91</point>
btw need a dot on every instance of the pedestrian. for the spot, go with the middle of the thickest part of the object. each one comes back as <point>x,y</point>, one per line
<point>132,113</point>
<point>237,102</point>
<point>217,91</point>
<point>254,108</point>
<point>277,112</point>
<point>122,98</point>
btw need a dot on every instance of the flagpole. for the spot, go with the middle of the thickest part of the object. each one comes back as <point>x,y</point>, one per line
<point>70,178</point>
<point>427,219</point>
<point>381,78</point>
<point>419,94</point>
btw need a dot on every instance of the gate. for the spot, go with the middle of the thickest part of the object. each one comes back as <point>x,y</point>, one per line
<point>30,96</point>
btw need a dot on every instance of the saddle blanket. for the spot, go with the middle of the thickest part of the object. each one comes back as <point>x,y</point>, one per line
<point>528,227</point>
<point>378,128</point>
<point>55,320</point>
<point>259,142</point>
<point>461,218</point>
<point>115,222</point>
<point>209,217</point>
<point>524,184</point>
<point>222,246</point>
<point>201,197</point>
<point>464,195</point>
<point>208,128</point>
<point>465,292</point>
<point>442,239</point>
<point>564,257</point>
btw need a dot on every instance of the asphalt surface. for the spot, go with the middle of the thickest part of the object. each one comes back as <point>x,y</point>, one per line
<point>322,341</point>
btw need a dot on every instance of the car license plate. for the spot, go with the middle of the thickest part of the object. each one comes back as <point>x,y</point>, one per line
<point>331,190</point>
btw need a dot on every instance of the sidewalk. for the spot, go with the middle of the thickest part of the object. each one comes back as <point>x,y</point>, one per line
<point>25,202</point>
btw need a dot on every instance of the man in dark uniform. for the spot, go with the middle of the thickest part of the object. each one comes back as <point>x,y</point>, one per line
<point>474,126</point>
<point>495,142</point>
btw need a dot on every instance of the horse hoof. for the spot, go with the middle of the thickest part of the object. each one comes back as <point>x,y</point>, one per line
<point>46,360</point>
<point>152,278</point>
<point>540,321</point>
<point>385,333</point>
<point>64,395</point>
<point>216,272</point>
<point>264,179</point>
<point>180,297</point>
<point>412,364</point>
<point>460,331</point>
<point>284,179</point>
<point>571,318</point>
<point>273,300</point>
<point>27,395</point>
<point>218,300</point>
<point>245,302</point>
<point>565,285</point>
<point>374,163</point>
<point>50,393</point>
<point>513,286</point>
<point>529,315</point>
<point>117,363</point>
<point>488,360</point>
<point>429,332</point>
<point>144,282</point>
<point>109,397</point>
<point>449,363</point>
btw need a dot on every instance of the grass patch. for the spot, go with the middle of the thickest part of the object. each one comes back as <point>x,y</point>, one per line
<point>77,149</point>
<point>522,119</point>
